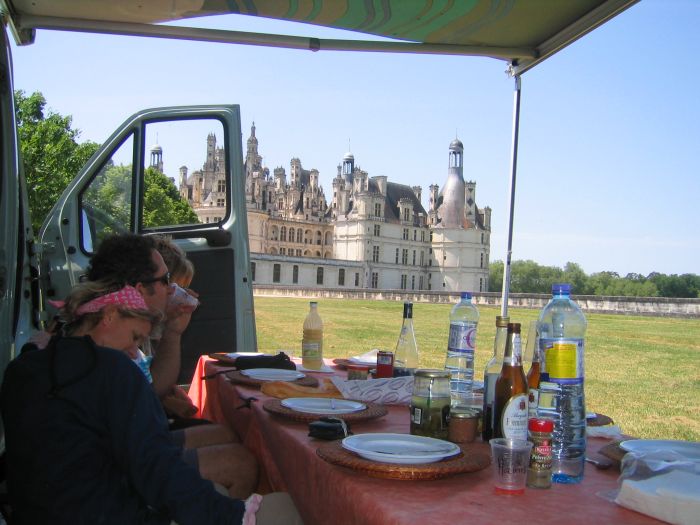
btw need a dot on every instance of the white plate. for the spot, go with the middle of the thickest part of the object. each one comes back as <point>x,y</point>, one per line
<point>322,405</point>
<point>234,355</point>
<point>400,448</point>
<point>272,374</point>
<point>687,449</point>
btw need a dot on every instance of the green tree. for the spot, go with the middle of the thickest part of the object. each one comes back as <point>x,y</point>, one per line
<point>50,152</point>
<point>495,276</point>
<point>163,205</point>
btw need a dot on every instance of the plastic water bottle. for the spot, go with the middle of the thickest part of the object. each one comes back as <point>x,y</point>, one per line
<point>562,327</point>
<point>464,319</point>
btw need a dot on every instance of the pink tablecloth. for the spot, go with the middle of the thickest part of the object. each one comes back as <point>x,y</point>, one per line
<point>326,493</point>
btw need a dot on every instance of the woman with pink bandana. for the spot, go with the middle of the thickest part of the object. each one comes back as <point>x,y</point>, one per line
<point>86,437</point>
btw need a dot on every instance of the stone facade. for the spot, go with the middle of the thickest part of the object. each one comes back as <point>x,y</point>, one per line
<point>373,233</point>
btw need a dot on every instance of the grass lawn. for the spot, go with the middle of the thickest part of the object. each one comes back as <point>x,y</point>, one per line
<point>644,372</point>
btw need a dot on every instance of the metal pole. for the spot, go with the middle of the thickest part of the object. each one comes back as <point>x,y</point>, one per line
<point>511,193</point>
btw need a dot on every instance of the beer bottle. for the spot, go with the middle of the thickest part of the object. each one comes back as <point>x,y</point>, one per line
<point>491,373</point>
<point>533,384</point>
<point>510,406</point>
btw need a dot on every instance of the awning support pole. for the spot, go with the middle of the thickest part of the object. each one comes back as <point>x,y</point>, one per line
<point>511,193</point>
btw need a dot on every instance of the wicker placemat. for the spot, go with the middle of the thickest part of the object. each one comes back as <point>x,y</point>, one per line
<point>236,377</point>
<point>468,461</point>
<point>275,406</point>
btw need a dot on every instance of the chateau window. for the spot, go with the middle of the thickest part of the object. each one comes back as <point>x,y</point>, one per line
<point>403,281</point>
<point>220,203</point>
<point>420,282</point>
<point>357,279</point>
<point>280,204</point>
<point>422,261</point>
<point>283,233</point>
<point>415,234</point>
<point>481,264</point>
<point>375,280</point>
<point>291,234</point>
<point>431,236</point>
<point>252,271</point>
<point>300,235</point>
<point>375,253</point>
<point>397,256</point>
<point>319,275</point>
<point>341,277</point>
<point>376,230</point>
<point>406,214</point>
<point>207,219</point>
<point>377,210</point>
<point>481,284</point>
<point>405,234</point>
<point>404,256</point>
<point>482,238</point>
<point>276,270</point>
<point>413,282</point>
<point>295,274</point>
<point>422,236</point>
<point>414,257</point>
<point>221,186</point>
<point>298,253</point>
<point>283,251</point>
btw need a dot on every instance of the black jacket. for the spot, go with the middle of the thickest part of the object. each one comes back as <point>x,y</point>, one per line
<point>87,442</point>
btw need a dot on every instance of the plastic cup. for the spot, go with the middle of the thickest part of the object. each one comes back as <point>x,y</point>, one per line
<point>180,296</point>
<point>510,459</point>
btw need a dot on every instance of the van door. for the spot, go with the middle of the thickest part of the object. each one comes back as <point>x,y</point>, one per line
<point>175,171</point>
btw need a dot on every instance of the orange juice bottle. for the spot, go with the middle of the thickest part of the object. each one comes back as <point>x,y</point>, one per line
<point>312,340</point>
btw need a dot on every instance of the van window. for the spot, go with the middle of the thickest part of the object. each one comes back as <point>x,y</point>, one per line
<point>181,178</point>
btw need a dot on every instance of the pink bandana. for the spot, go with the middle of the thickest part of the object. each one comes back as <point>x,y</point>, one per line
<point>127,296</point>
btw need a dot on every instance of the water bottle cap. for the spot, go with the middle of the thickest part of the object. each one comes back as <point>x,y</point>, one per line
<point>561,289</point>
<point>540,425</point>
<point>465,295</point>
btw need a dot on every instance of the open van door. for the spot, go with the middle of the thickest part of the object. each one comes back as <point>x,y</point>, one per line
<point>123,189</point>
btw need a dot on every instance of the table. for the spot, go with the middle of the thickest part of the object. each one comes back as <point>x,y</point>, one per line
<point>326,493</point>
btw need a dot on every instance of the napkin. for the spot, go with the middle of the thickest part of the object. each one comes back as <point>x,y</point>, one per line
<point>390,391</point>
<point>608,431</point>
<point>673,497</point>
<point>368,358</point>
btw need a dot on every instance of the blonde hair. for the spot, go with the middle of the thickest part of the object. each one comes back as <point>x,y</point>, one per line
<point>87,291</point>
<point>180,267</point>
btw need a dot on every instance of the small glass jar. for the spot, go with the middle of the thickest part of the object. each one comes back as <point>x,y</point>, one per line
<point>539,473</point>
<point>430,403</point>
<point>357,372</point>
<point>463,425</point>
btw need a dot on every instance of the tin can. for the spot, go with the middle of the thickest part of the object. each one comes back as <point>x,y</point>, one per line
<point>357,372</point>
<point>385,364</point>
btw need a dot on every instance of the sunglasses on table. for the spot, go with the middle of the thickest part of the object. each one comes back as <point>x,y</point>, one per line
<point>164,279</point>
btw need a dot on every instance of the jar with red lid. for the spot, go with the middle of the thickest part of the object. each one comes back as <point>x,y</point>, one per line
<point>539,473</point>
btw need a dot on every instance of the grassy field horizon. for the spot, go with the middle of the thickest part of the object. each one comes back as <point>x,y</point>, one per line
<point>644,372</point>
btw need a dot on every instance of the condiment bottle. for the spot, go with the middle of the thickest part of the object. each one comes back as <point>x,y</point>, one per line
<point>430,403</point>
<point>539,473</point>
<point>312,339</point>
<point>462,427</point>
<point>491,373</point>
<point>406,355</point>
<point>510,407</point>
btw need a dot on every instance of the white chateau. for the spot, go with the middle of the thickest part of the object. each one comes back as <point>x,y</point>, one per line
<point>372,234</point>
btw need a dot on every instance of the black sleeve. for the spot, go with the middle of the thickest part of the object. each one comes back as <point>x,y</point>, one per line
<point>154,465</point>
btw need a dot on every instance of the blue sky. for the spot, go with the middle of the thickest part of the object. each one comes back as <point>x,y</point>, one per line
<point>609,131</point>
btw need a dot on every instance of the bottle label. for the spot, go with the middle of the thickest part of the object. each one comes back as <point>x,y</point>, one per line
<point>563,360</point>
<point>311,349</point>
<point>514,418</point>
<point>462,338</point>
<point>533,402</point>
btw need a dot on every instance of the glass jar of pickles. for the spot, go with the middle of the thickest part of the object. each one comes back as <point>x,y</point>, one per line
<point>430,403</point>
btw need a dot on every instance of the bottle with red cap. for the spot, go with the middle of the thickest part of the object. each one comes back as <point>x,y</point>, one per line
<point>539,473</point>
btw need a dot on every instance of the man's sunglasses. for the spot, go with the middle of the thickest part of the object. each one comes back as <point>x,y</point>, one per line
<point>165,279</point>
